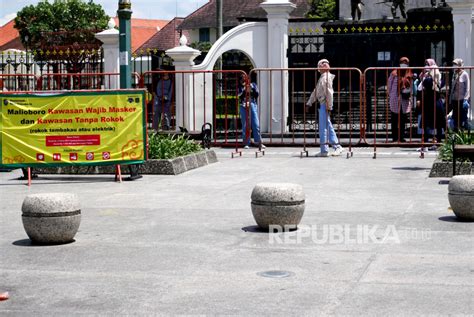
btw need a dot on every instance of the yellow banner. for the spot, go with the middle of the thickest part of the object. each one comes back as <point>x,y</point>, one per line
<point>81,128</point>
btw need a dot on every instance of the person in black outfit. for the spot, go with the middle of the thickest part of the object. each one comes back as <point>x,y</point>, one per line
<point>355,7</point>
<point>398,4</point>
<point>430,100</point>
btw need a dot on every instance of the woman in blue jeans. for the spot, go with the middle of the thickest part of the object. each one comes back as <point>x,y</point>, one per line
<point>323,94</point>
<point>249,113</point>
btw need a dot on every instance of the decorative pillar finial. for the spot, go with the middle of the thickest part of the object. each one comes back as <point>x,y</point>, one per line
<point>183,40</point>
<point>111,24</point>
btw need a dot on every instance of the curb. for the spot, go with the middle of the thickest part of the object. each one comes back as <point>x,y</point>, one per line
<point>445,169</point>
<point>174,166</point>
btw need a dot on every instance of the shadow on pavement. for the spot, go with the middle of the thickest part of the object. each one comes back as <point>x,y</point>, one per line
<point>29,243</point>
<point>411,168</point>
<point>453,219</point>
<point>254,229</point>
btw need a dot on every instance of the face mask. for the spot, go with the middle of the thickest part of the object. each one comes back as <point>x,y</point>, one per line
<point>403,65</point>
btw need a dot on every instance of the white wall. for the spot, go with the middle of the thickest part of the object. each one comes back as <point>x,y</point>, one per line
<point>249,38</point>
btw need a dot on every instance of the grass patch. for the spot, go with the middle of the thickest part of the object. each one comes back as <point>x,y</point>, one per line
<point>164,146</point>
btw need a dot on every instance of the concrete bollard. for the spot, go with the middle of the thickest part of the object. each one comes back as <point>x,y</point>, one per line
<point>51,218</point>
<point>278,204</point>
<point>461,196</point>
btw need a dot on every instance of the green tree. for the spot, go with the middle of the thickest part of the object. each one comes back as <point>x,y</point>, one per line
<point>322,9</point>
<point>202,46</point>
<point>63,25</point>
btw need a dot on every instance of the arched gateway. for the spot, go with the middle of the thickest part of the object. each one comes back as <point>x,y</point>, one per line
<point>266,46</point>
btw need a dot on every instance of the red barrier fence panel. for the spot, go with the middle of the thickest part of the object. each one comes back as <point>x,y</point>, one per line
<point>285,117</point>
<point>416,106</point>
<point>185,101</point>
<point>79,81</point>
<point>18,82</point>
<point>63,81</point>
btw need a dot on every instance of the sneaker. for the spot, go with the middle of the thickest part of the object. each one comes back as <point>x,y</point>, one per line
<point>338,151</point>
<point>246,147</point>
<point>263,146</point>
<point>322,154</point>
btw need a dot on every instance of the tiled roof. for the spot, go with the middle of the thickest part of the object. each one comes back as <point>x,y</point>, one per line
<point>10,38</point>
<point>166,38</point>
<point>205,16</point>
<point>143,30</point>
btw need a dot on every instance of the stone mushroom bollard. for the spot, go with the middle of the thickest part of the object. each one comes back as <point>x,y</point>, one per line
<point>51,218</point>
<point>278,204</point>
<point>461,196</point>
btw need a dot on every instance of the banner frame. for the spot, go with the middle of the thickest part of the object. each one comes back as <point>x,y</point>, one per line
<point>48,94</point>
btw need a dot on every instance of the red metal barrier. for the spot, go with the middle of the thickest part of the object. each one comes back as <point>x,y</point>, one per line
<point>418,116</point>
<point>361,113</point>
<point>64,81</point>
<point>197,98</point>
<point>18,82</point>
<point>285,120</point>
<point>79,81</point>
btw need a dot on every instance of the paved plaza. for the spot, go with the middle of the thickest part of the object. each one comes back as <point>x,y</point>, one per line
<point>377,238</point>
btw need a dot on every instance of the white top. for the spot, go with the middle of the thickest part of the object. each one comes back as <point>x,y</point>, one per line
<point>324,91</point>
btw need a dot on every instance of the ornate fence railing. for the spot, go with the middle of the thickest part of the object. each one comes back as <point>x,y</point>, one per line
<point>38,62</point>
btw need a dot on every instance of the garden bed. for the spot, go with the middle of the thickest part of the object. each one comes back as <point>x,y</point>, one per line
<point>445,169</point>
<point>443,165</point>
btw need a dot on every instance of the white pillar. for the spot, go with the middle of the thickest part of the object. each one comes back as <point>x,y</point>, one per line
<point>110,40</point>
<point>462,18</point>
<point>183,58</point>
<point>278,13</point>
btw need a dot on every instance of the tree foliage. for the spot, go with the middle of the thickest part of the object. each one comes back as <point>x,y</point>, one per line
<point>322,9</point>
<point>60,23</point>
<point>201,46</point>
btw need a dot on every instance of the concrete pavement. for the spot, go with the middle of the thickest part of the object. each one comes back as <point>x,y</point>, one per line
<point>187,244</point>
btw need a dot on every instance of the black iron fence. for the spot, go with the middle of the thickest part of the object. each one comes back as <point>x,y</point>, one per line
<point>38,62</point>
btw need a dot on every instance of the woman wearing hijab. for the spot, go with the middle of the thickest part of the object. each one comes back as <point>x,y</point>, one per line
<point>428,95</point>
<point>400,91</point>
<point>323,94</point>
